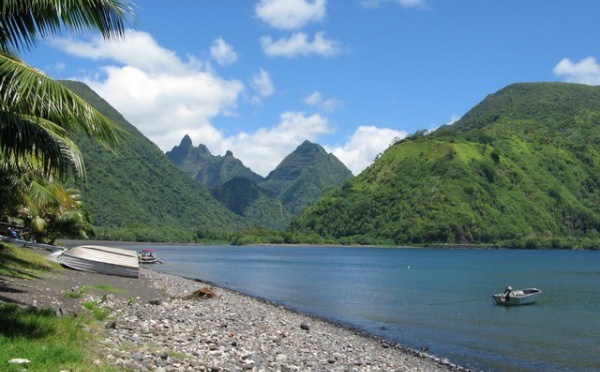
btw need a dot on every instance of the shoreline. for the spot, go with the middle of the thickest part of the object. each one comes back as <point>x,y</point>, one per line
<point>154,327</point>
<point>285,325</point>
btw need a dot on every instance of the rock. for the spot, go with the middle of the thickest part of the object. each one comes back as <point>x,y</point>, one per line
<point>238,333</point>
<point>19,361</point>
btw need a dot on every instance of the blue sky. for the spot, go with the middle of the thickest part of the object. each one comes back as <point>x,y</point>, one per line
<point>258,77</point>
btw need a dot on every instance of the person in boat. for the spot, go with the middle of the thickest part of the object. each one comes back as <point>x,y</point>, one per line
<point>507,292</point>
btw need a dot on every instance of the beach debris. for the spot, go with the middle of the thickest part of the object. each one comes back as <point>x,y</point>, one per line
<point>202,293</point>
<point>19,361</point>
<point>304,326</point>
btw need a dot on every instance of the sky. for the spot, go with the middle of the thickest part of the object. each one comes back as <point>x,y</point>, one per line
<point>259,77</point>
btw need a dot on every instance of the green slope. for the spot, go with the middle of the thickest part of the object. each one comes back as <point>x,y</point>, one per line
<point>522,168</point>
<point>302,176</point>
<point>139,186</point>
<point>259,206</point>
<point>297,181</point>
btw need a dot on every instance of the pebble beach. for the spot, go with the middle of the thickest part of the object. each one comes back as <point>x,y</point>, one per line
<point>234,332</point>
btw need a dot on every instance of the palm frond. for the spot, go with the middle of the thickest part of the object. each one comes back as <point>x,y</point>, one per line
<point>26,91</point>
<point>28,145</point>
<point>24,22</point>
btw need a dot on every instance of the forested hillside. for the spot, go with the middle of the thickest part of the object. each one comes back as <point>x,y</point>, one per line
<point>269,202</point>
<point>138,187</point>
<point>303,175</point>
<point>520,169</point>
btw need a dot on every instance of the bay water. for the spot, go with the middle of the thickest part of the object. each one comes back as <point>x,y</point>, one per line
<point>439,300</point>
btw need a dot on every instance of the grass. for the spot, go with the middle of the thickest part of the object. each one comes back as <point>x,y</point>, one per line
<point>85,289</point>
<point>99,313</point>
<point>22,263</point>
<point>48,342</point>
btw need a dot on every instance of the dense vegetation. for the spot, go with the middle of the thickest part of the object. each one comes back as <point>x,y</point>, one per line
<point>39,117</point>
<point>260,207</point>
<point>270,202</point>
<point>521,169</point>
<point>137,190</point>
<point>302,176</point>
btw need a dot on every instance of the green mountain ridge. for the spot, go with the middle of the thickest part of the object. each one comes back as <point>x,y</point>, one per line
<point>270,202</point>
<point>139,186</point>
<point>210,170</point>
<point>303,175</point>
<point>522,168</point>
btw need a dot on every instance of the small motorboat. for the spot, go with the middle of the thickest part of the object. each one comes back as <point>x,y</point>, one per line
<point>99,259</point>
<point>148,256</point>
<point>511,297</point>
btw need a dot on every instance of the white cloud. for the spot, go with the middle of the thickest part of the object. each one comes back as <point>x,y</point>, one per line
<point>162,95</point>
<point>299,45</point>
<point>317,100</point>
<point>222,52</point>
<point>290,14</point>
<point>366,143</point>
<point>404,3</point>
<point>264,149</point>
<point>262,84</point>
<point>586,71</point>
<point>137,49</point>
<point>167,97</point>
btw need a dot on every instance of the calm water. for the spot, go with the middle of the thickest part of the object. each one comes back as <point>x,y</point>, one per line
<point>435,298</point>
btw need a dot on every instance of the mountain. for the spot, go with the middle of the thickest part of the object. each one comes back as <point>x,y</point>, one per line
<point>522,168</point>
<point>270,202</point>
<point>303,175</point>
<point>245,198</point>
<point>138,186</point>
<point>209,170</point>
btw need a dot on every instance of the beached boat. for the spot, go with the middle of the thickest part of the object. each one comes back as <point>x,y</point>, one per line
<point>100,259</point>
<point>518,297</point>
<point>148,256</point>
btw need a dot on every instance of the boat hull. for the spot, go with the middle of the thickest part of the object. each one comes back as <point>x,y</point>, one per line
<point>150,261</point>
<point>102,260</point>
<point>526,296</point>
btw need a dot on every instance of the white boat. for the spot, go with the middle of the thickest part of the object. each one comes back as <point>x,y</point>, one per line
<point>517,297</point>
<point>102,260</point>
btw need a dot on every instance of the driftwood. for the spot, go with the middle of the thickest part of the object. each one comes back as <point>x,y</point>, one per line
<point>202,293</point>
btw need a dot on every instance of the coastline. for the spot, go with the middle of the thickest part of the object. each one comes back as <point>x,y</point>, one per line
<point>154,327</point>
<point>233,331</point>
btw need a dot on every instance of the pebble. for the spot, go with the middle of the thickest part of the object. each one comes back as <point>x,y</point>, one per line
<point>235,332</point>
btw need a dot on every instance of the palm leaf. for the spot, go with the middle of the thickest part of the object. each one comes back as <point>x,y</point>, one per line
<point>25,90</point>
<point>27,146</point>
<point>24,22</point>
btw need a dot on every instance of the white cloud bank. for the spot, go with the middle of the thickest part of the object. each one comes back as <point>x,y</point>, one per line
<point>167,97</point>
<point>290,14</point>
<point>586,71</point>
<point>299,44</point>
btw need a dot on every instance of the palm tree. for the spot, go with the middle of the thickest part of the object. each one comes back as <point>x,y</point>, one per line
<point>49,210</point>
<point>38,114</point>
